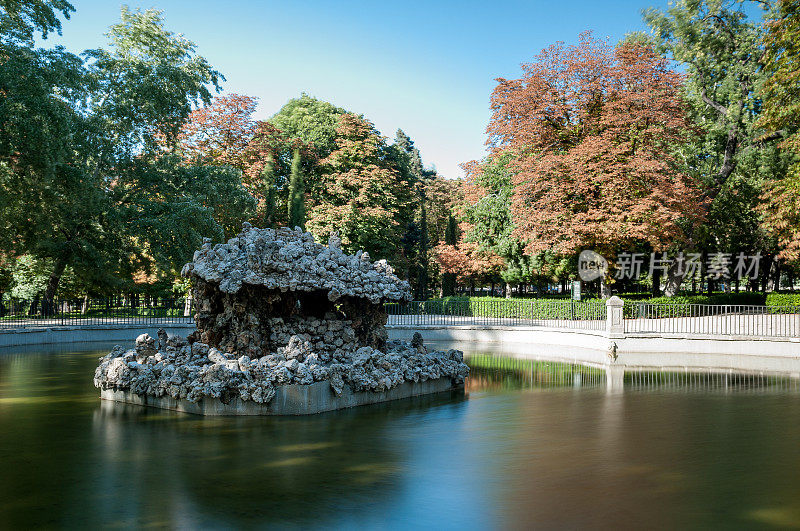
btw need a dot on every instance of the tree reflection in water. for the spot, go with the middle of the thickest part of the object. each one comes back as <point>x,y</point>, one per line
<point>530,443</point>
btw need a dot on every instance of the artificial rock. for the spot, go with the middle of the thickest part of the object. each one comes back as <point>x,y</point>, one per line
<point>274,308</point>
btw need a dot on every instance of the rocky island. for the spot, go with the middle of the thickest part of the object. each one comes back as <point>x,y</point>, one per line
<point>285,326</point>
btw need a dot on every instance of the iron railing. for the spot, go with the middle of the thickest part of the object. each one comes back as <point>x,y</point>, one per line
<point>588,315</point>
<point>712,319</point>
<point>116,310</point>
<point>696,319</point>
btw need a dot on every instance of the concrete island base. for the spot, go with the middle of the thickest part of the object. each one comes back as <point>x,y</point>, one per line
<point>292,399</point>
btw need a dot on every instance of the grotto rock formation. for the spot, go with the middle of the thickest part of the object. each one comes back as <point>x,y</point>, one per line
<point>274,309</point>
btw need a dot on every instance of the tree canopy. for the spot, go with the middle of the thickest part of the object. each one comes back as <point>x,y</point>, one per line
<point>589,131</point>
<point>84,185</point>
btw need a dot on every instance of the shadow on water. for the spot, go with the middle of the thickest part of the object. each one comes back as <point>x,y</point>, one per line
<point>301,470</point>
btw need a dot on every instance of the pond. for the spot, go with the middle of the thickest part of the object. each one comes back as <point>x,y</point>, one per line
<point>527,443</point>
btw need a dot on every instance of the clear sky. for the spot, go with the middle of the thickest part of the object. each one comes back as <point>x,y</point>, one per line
<point>426,67</point>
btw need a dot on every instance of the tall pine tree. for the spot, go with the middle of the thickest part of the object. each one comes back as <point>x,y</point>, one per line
<point>450,238</point>
<point>297,211</point>
<point>268,178</point>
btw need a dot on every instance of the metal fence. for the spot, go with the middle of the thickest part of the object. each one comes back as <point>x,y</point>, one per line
<point>116,310</point>
<point>713,319</point>
<point>588,315</point>
<point>698,319</point>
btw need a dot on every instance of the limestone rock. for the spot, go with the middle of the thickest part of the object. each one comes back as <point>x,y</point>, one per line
<point>275,308</point>
<point>216,376</point>
<point>290,260</point>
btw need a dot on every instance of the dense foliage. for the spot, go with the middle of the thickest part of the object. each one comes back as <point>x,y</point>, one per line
<point>116,163</point>
<point>85,188</point>
<point>608,147</point>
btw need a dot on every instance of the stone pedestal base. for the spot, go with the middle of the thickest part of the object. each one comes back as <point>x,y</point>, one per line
<point>289,399</point>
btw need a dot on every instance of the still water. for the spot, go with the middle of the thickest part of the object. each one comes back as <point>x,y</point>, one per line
<point>528,444</point>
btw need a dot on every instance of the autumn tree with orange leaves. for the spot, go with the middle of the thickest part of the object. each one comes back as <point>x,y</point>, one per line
<point>219,133</point>
<point>359,192</point>
<point>591,129</point>
<point>468,262</point>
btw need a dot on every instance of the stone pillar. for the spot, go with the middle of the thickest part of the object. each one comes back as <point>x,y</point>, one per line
<point>614,324</point>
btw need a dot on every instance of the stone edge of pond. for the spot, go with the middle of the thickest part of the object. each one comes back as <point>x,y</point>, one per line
<point>293,399</point>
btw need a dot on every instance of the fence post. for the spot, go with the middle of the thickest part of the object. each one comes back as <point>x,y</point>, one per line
<point>614,324</point>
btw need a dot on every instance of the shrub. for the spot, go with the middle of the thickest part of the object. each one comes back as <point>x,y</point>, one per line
<point>783,299</point>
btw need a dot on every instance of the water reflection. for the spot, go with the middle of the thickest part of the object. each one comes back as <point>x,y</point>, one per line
<point>530,443</point>
<point>495,372</point>
<point>498,372</point>
<point>248,469</point>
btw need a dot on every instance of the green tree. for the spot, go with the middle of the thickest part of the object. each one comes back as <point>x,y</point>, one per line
<point>360,192</point>
<point>311,120</point>
<point>414,216</point>
<point>732,158</point>
<point>781,118</point>
<point>167,208</point>
<point>719,47</point>
<point>270,197</point>
<point>488,194</point>
<point>297,191</point>
<point>147,83</point>
<point>77,140</point>
<point>451,238</point>
<point>21,20</point>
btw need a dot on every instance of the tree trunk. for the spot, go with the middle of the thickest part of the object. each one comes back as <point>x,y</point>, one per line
<point>48,301</point>
<point>704,273</point>
<point>34,306</point>
<point>508,290</point>
<point>776,282</point>
<point>605,288</point>
<point>448,284</point>
<point>675,279</point>
<point>655,290</point>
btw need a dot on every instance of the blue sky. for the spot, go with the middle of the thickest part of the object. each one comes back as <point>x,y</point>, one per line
<point>425,67</point>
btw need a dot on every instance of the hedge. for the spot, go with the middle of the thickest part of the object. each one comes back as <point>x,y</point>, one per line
<point>783,299</point>
<point>588,309</point>
<point>496,307</point>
